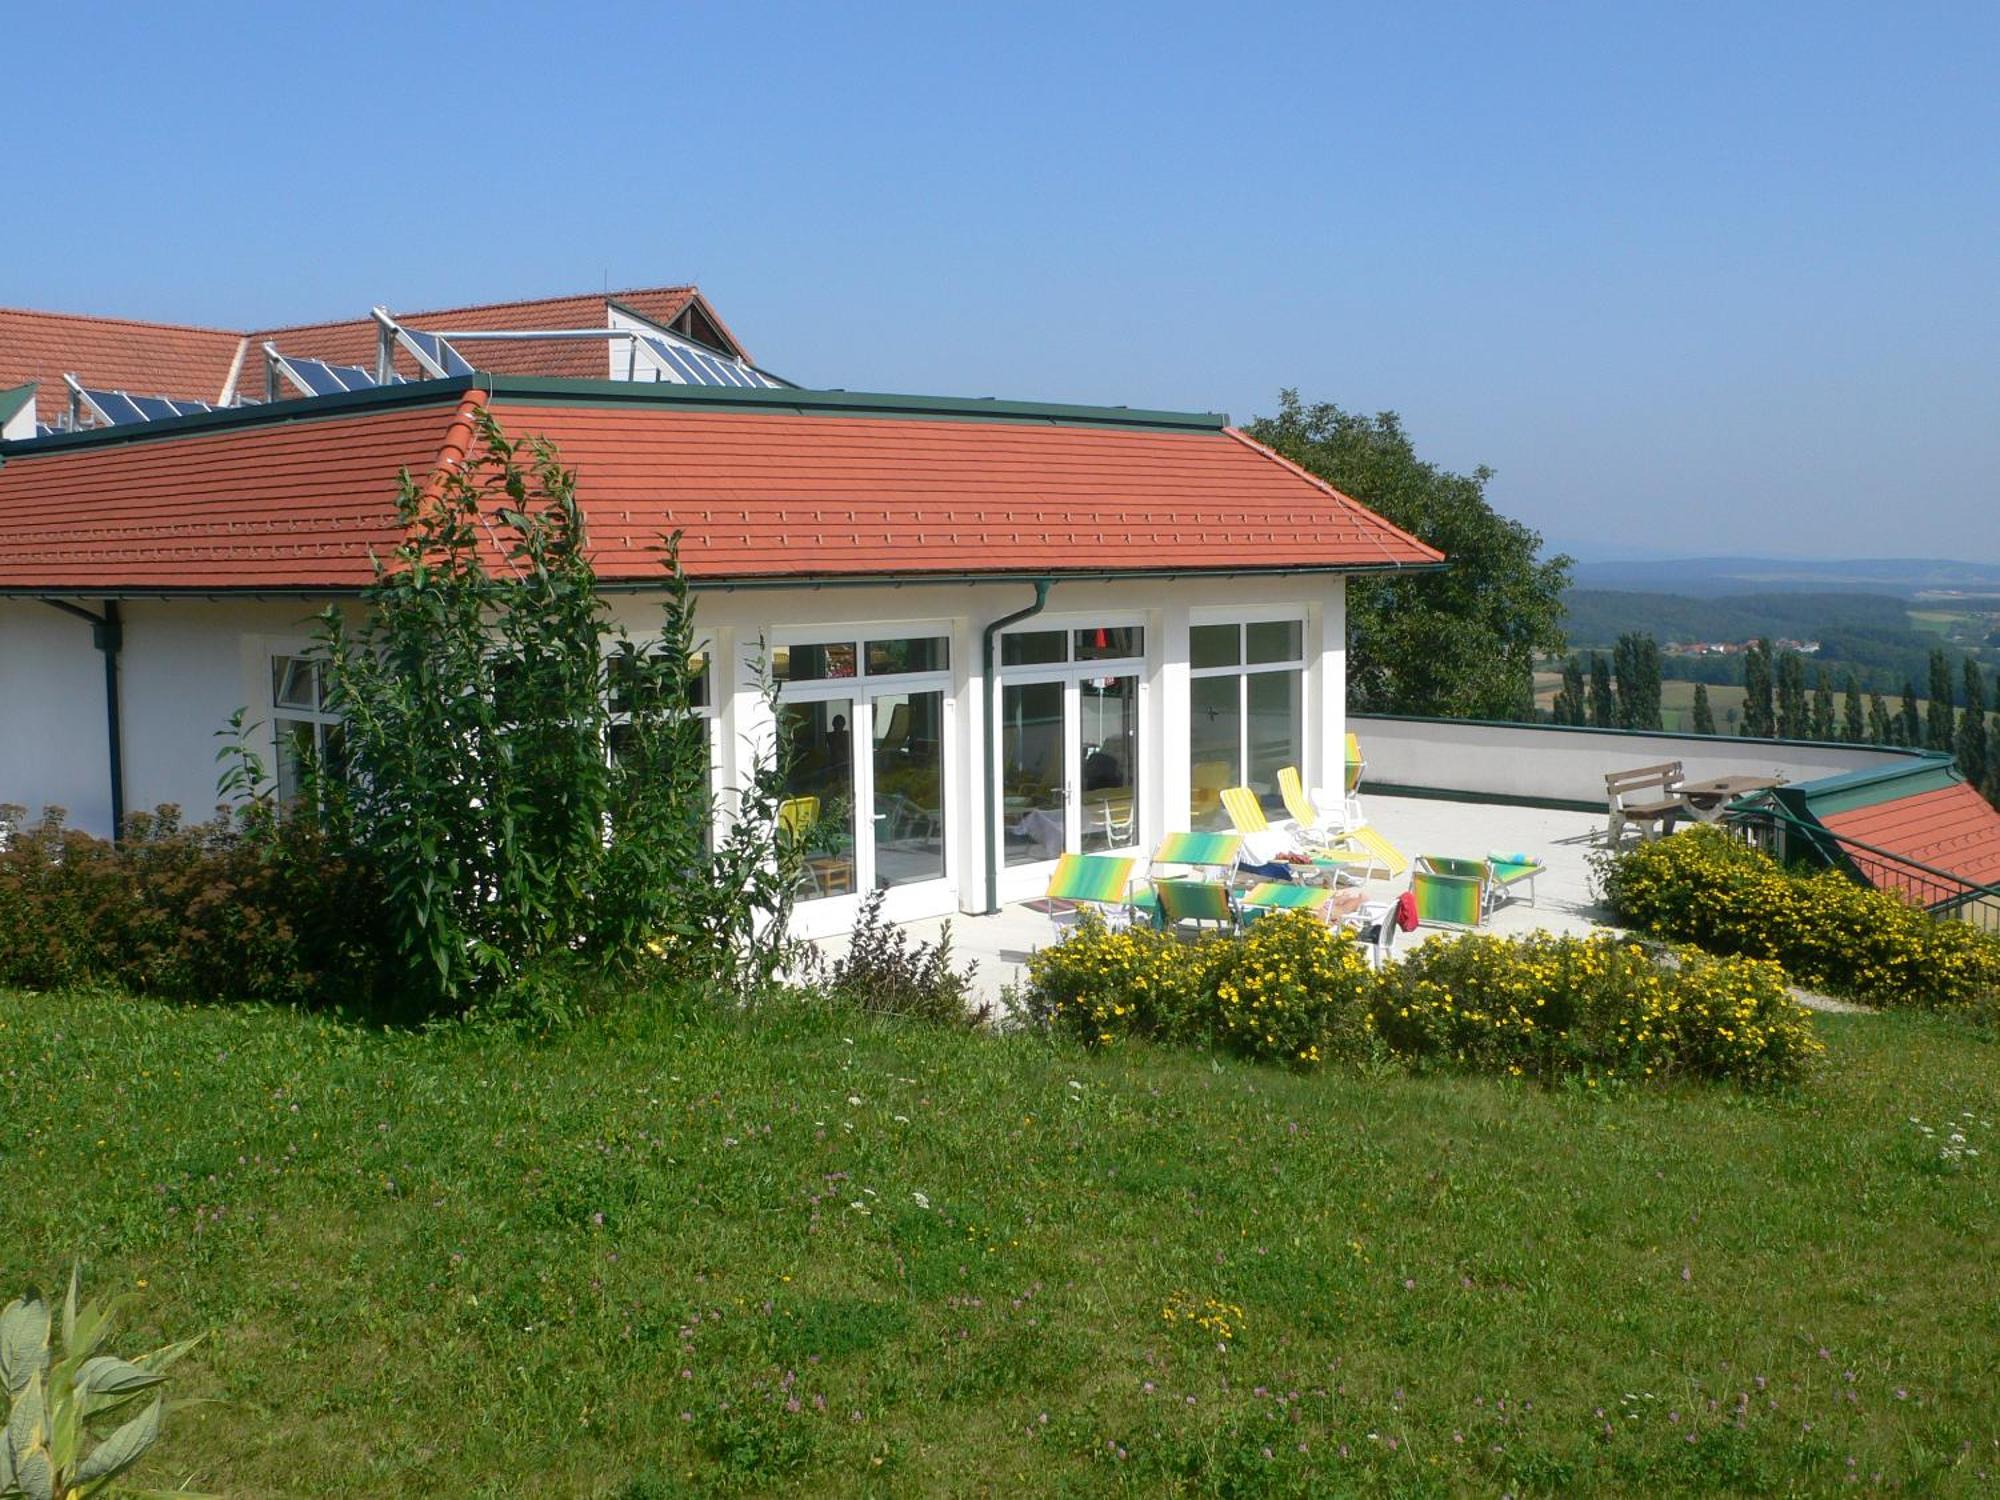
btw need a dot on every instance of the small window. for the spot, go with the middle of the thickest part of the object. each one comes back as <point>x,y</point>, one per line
<point>925,653</point>
<point>814,663</point>
<point>1110,642</point>
<point>1032,648</point>
<point>296,682</point>
<point>1276,640</point>
<point>1215,646</point>
<point>306,732</point>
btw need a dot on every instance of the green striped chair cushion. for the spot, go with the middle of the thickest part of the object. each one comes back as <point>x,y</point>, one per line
<point>1101,878</point>
<point>1194,901</point>
<point>1198,849</point>
<point>1445,900</point>
<point>1276,895</point>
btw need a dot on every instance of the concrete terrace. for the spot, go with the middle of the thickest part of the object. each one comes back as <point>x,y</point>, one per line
<point>1000,944</point>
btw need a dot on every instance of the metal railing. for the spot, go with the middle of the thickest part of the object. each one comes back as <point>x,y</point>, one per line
<point>1944,894</point>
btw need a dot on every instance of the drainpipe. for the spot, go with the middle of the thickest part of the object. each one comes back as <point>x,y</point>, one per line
<point>107,634</point>
<point>992,685</point>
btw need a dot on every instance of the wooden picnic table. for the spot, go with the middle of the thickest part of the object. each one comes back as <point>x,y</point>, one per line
<point>1705,800</point>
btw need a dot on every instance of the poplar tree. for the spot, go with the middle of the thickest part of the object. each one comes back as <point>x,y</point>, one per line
<point>1851,722</point>
<point>1793,720</point>
<point>1757,718</point>
<point>1879,732</point>
<point>1822,706</point>
<point>1973,747</point>
<point>1909,726</point>
<point>1637,662</point>
<point>1603,709</point>
<point>1569,705</point>
<point>1704,716</point>
<point>1939,730</point>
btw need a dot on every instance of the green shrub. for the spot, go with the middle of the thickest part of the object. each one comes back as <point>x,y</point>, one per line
<point>1293,990</point>
<point>1828,932</point>
<point>238,908</point>
<point>1546,1006</point>
<point>885,971</point>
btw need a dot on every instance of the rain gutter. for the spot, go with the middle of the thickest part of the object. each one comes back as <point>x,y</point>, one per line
<point>990,683</point>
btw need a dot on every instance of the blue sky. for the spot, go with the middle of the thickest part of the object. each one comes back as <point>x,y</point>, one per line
<point>1692,279</point>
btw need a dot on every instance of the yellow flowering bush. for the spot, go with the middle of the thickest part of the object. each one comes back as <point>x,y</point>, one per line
<point>1829,933</point>
<point>1545,1006</point>
<point>1296,991</point>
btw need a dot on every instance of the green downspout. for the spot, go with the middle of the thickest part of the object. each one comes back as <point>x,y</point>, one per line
<point>107,634</point>
<point>991,684</point>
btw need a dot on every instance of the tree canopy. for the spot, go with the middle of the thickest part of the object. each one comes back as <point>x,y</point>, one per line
<point>1460,643</point>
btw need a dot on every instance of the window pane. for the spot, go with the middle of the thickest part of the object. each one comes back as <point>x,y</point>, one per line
<point>909,788</point>
<point>295,747</point>
<point>1104,642</point>
<point>928,653</point>
<point>294,682</point>
<point>1277,715</point>
<point>1215,645</point>
<point>818,810</point>
<point>1109,728</point>
<point>1277,640</point>
<point>1215,740</point>
<point>1031,758</point>
<point>814,663</point>
<point>1031,648</point>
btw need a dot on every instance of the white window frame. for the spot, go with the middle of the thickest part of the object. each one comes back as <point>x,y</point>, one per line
<point>1243,669</point>
<point>918,898</point>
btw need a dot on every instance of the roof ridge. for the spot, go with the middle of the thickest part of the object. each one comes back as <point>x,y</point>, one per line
<point>468,307</point>
<point>69,317</point>
<point>1346,499</point>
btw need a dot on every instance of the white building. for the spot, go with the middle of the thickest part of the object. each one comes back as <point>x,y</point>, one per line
<point>1001,630</point>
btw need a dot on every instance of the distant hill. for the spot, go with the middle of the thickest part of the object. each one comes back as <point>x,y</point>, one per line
<point>1710,577</point>
<point>1598,616</point>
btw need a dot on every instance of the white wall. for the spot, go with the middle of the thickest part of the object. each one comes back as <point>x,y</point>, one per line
<point>1564,764</point>
<point>189,664</point>
<point>53,749</point>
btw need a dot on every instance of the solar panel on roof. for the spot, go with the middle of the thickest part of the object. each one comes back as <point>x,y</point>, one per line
<point>114,407</point>
<point>699,367</point>
<point>153,408</point>
<point>189,408</point>
<point>318,378</point>
<point>438,351</point>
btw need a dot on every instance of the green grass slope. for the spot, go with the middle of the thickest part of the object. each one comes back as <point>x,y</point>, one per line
<point>818,1255</point>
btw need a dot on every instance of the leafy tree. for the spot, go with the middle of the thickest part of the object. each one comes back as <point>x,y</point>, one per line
<point>1972,741</point>
<point>1603,708</point>
<point>1793,720</point>
<point>1939,730</point>
<point>1853,728</point>
<point>529,799</point>
<point>1636,661</point>
<point>1822,707</point>
<point>1704,716</point>
<point>1569,705</point>
<point>1458,643</point>
<point>1909,726</point>
<point>1879,731</point>
<point>1758,720</point>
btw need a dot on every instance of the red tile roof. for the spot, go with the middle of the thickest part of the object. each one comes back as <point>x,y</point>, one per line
<point>166,359</point>
<point>151,359</point>
<point>1952,828</point>
<point>762,489</point>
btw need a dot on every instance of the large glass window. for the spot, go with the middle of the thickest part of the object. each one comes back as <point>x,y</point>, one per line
<point>1246,712</point>
<point>817,815</point>
<point>908,729</point>
<point>1109,709</point>
<point>1031,761</point>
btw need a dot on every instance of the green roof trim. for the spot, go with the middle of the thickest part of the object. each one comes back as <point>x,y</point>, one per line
<point>1832,795</point>
<point>13,399</point>
<point>551,390</point>
<point>664,394</point>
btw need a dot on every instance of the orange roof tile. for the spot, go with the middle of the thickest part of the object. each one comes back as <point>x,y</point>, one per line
<point>1952,828</point>
<point>149,359</point>
<point>762,489</point>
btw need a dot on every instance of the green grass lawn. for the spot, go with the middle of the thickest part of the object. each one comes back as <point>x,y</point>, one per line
<point>817,1254</point>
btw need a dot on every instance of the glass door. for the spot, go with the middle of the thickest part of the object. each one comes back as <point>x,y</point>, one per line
<point>1070,749</point>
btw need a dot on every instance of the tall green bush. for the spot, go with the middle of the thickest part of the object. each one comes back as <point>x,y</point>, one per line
<point>529,783</point>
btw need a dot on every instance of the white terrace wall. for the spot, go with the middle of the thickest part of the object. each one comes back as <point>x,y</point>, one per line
<point>1562,764</point>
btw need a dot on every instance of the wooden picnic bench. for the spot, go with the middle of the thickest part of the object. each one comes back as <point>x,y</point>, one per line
<point>1626,793</point>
